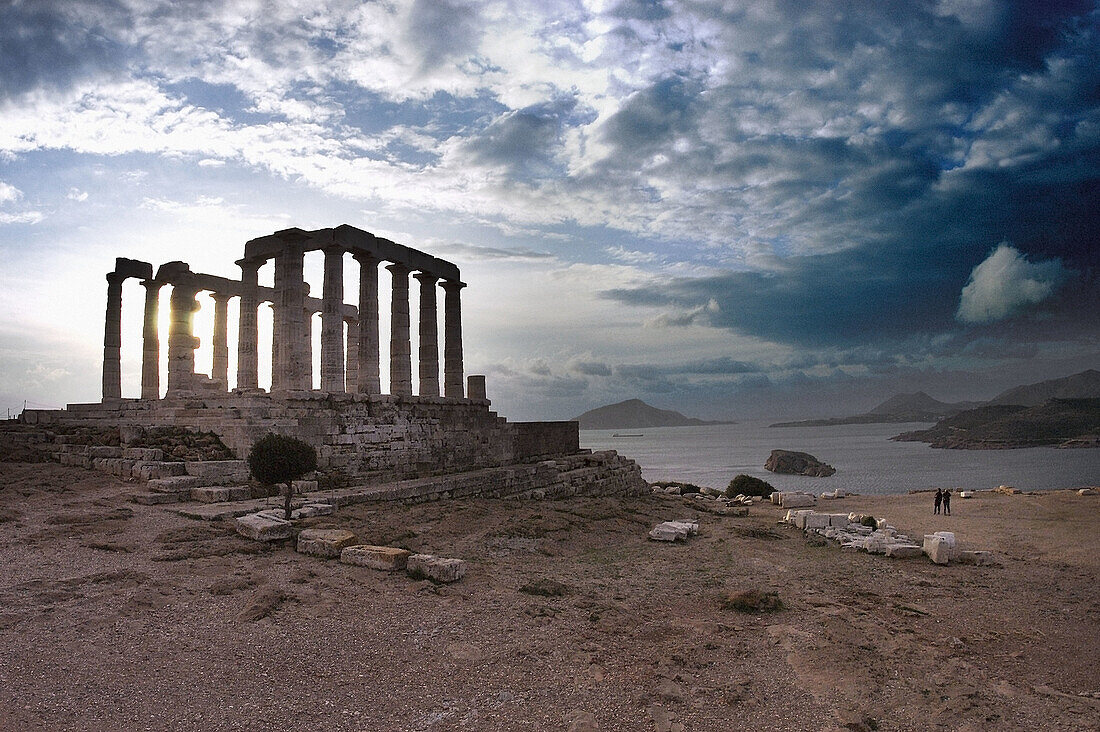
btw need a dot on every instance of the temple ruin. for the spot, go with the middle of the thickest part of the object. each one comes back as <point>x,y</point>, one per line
<point>445,429</point>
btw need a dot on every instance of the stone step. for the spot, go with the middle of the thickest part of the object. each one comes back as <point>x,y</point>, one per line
<point>154,499</point>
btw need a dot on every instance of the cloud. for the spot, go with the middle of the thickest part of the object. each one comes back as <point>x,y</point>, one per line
<point>27,217</point>
<point>1006,283</point>
<point>9,193</point>
<point>75,194</point>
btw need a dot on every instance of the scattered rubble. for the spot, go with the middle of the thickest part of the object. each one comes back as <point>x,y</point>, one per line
<point>858,532</point>
<point>674,530</point>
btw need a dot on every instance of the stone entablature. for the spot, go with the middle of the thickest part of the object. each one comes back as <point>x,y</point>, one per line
<point>346,367</point>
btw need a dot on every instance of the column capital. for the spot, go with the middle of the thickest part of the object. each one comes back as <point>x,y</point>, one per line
<point>250,264</point>
<point>426,278</point>
<point>398,269</point>
<point>365,259</point>
<point>452,285</point>
<point>152,284</point>
<point>115,278</point>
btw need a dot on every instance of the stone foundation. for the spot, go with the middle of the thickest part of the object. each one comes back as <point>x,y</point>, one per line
<point>378,436</point>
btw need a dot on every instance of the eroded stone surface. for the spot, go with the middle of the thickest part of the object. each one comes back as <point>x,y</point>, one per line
<point>386,558</point>
<point>437,569</point>
<point>326,543</point>
<point>263,528</point>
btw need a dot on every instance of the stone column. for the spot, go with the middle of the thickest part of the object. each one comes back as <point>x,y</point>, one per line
<point>332,322</point>
<point>150,347</point>
<point>181,340</point>
<point>112,338</point>
<point>429,336</point>
<point>452,339</point>
<point>248,329</point>
<point>289,371</point>
<point>368,381</point>
<point>307,347</point>
<point>400,347</point>
<point>351,373</point>
<point>220,368</point>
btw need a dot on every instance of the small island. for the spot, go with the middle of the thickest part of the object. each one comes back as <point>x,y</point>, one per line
<point>789,462</point>
<point>635,414</point>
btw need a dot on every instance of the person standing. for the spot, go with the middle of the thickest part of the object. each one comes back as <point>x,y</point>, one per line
<point>947,502</point>
<point>937,501</point>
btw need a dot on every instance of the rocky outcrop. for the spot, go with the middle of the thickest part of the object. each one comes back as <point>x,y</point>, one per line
<point>789,462</point>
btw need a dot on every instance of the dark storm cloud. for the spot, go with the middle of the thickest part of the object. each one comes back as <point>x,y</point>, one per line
<point>525,142</point>
<point>442,31</point>
<point>54,43</point>
<point>878,157</point>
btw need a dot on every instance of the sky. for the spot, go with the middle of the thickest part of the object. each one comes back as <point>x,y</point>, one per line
<point>732,209</point>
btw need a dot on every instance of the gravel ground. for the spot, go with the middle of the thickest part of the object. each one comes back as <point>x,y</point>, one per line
<point>115,616</point>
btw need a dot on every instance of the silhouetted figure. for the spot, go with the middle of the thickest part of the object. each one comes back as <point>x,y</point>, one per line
<point>938,500</point>
<point>947,502</point>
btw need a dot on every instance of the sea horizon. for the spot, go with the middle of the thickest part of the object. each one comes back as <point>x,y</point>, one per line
<point>865,458</point>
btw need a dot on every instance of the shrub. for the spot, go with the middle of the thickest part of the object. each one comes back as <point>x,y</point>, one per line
<point>749,486</point>
<point>281,459</point>
<point>753,601</point>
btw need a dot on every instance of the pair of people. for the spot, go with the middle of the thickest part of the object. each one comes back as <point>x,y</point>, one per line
<point>943,497</point>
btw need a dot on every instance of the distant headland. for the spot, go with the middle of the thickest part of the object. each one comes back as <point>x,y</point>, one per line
<point>919,407</point>
<point>636,414</point>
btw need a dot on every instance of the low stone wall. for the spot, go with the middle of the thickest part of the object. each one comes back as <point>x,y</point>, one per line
<point>532,440</point>
<point>382,437</point>
<point>604,473</point>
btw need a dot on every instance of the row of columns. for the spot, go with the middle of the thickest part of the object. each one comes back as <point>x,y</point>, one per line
<point>355,369</point>
<point>292,361</point>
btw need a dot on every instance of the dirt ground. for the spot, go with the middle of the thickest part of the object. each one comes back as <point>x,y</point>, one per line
<point>115,616</point>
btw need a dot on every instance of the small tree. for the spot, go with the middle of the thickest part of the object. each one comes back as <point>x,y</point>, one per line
<point>278,459</point>
<point>747,485</point>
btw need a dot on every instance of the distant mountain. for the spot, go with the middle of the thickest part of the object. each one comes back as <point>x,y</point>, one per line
<point>635,414</point>
<point>1083,385</point>
<point>1062,422</point>
<point>918,407</point>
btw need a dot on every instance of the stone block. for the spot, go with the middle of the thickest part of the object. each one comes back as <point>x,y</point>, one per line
<point>263,527</point>
<point>1087,492</point>
<point>154,499</point>
<point>816,521</point>
<point>98,451</point>
<point>151,470</point>
<point>310,510</point>
<point>437,569</point>
<point>674,530</point>
<point>304,486</point>
<point>796,500</point>
<point>326,543</point>
<point>175,484</point>
<point>974,557</point>
<point>223,472</point>
<point>839,520</point>
<point>143,454</point>
<point>385,558</point>
<point>903,551</point>
<point>937,549</point>
<point>218,493</point>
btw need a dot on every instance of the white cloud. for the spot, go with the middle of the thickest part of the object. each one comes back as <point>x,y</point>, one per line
<point>27,217</point>
<point>75,194</point>
<point>9,193</point>
<point>1006,283</point>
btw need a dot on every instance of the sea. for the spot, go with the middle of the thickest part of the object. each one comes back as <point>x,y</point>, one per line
<point>865,458</point>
